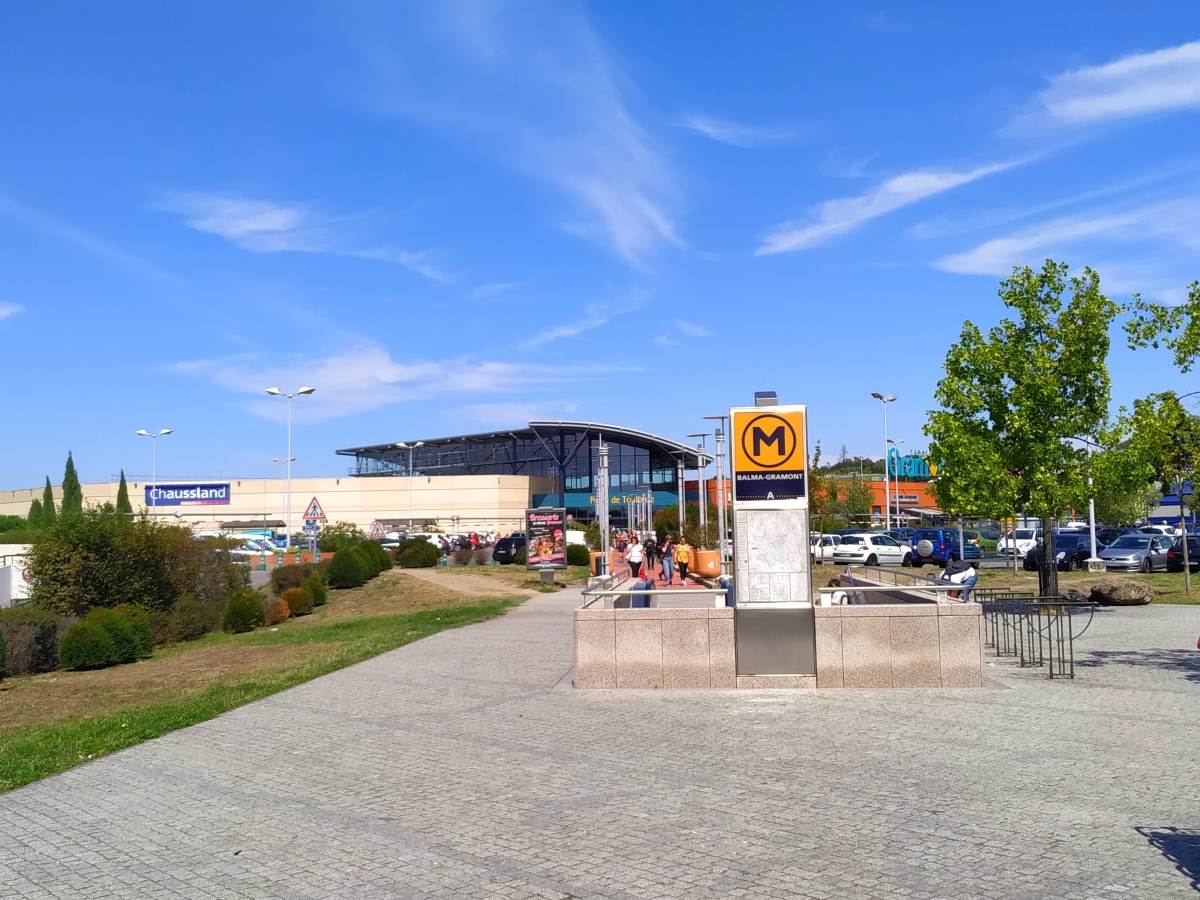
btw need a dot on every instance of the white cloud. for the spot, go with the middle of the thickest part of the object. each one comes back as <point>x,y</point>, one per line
<point>691,329</point>
<point>9,309</point>
<point>501,415</point>
<point>534,87</point>
<point>366,378</point>
<point>835,217</point>
<point>736,133</point>
<point>594,315</point>
<point>1147,239</point>
<point>491,289</point>
<point>263,226</point>
<point>1139,84</point>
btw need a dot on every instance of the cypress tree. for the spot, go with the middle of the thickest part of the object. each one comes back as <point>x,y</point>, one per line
<point>124,507</point>
<point>48,513</point>
<point>72,497</point>
<point>35,514</point>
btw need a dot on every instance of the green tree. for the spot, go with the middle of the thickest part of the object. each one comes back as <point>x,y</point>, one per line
<point>72,493</point>
<point>124,507</point>
<point>1011,401</point>
<point>48,509</point>
<point>35,514</point>
<point>1177,328</point>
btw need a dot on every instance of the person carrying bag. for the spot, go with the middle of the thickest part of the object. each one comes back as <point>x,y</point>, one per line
<point>683,556</point>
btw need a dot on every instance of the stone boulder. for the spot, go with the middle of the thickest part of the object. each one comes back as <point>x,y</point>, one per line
<point>1074,595</point>
<point>1116,591</point>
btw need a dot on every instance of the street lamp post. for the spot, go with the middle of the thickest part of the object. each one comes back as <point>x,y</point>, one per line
<point>602,506</point>
<point>153,464</point>
<point>885,399</point>
<point>702,480</point>
<point>276,392</point>
<point>1095,564</point>
<point>887,468</point>
<point>719,438</point>
<point>410,448</point>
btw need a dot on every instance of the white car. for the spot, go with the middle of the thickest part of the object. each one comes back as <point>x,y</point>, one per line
<point>1027,539</point>
<point>871,550</point>
<point>821,547</point>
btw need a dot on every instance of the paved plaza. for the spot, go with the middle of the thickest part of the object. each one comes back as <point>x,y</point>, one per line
<point>464,766</point>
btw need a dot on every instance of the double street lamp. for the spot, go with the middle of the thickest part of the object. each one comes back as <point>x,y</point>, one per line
<point>276,392</point>
<point>719,436</point>
<point>887,468</point>
<point>410,448</point>
<point>153,462</point>
<point>885,399</point>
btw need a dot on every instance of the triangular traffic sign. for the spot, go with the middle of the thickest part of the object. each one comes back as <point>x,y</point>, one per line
<point>314,510</point>
<point>377,532</point>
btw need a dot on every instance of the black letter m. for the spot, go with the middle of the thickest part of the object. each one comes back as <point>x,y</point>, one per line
<point>774,437</point>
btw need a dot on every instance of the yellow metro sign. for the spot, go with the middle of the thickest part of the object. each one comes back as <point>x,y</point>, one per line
<point>769,453</point>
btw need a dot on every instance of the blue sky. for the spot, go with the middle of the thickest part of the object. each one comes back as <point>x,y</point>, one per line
<point>453,217</point>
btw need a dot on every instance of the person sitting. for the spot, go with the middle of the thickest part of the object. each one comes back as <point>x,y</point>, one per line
<point>959,571</point>
<point>837,598</point>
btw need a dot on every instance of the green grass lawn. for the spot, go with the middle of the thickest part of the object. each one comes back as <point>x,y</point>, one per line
<point>32,752</point>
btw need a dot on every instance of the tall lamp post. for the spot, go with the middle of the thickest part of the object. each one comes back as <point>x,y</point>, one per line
<point>719,438</point>
<point>887,468</point>
<point>153,463</point>
<point>410,448</point>
<point>276,392</point>
<point>702,480</point>
<point>885,399</point>
<point>1094,563</point>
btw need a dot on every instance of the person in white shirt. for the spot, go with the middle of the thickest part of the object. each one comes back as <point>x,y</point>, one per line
<point>634,557</point>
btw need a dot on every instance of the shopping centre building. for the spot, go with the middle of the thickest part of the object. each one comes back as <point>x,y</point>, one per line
<point>461,483</point>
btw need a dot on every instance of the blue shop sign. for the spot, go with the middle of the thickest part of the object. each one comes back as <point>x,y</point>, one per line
<point>188,495</point>
<point>910,466</point>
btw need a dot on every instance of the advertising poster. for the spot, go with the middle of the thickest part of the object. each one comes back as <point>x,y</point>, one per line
<point>545,538</point>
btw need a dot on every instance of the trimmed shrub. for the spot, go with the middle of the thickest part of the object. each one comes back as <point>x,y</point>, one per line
<point>160,627</point>
<point>243,611</point>
<point>139,621</point>
<point>288,577</point>
<point>298,600</point>
<point>418,555</point>
<point>277,611</point>
<point>120,632</point>
<point>463,557</point>
<point>577,555</point>
<point>316,589</point>
<point>382,558</point>
<point>31,640</point>
<point>3,658</point>
<point>521,556</point>
<point>369,563</point>
<point>189,619</point>
<point>346,571</point>
<point>85,646</point>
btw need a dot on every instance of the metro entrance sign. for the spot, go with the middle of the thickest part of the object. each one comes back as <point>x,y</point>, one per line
<point>769,452</point>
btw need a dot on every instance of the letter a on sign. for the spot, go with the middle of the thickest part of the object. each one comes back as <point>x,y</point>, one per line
<point>314,510</point>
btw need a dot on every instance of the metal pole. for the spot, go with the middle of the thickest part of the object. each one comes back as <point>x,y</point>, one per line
<point>602,510</point>
<point>887,500</point>
<point>154,475</point>
<point>288,527</point>
<point>682,496</point>
<point>720,438</point>
<point>410,486</point>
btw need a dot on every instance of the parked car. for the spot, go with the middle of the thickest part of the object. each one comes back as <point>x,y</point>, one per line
<point>857,529</point>
<point>1071,551</point>
<point>1175,555</point>
<point>1169,530</point>
<point>939,546</point>
<point>1027,539</point>
<point>871,549</point>
<point>981,540</point>
<point>1137,553</point>
<point>1105,536</point>
<point>821,547</point>
<point>505,550</point>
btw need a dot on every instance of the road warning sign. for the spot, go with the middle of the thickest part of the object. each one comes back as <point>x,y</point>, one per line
<point>769,453</point>
<point>314,511</point>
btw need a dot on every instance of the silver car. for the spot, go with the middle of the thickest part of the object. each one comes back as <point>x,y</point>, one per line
<point>1137,553</point>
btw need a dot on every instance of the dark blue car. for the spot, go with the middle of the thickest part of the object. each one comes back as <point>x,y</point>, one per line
<point>938,546</point>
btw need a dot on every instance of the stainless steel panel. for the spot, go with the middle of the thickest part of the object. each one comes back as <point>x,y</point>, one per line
<point>775,641</point>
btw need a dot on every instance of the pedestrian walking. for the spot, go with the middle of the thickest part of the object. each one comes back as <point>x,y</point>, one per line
<point>634,557</point>
<point>650,551</point>
<point>668,559</point>
<point>683,556</point>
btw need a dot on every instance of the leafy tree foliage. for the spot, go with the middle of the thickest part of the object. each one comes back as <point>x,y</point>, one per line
<point>1177,328</point>
<point>124,507</point>
<point>1011,400</point>
<point>72,493</point>
<point>35,513</point>
<point>339,536</point>
<point>49,513</point>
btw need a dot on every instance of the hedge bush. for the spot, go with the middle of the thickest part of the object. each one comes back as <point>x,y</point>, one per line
<point>316,590</point>
<point>577,555</point>
<point>346,571</point>
<point>31,640</point>
<point>287,577</point>
<point>139,621</point>
<point>418,555</point>
<point>298,600</point>
<point>369,563</point>
<point>85,646</point>
<point>120,632</point>
<point>190,618</point>
<point>382,557</point>
<point>521,556</point>
<point>243,611</point>
<point>277,611</point>
<point>3,657</point>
